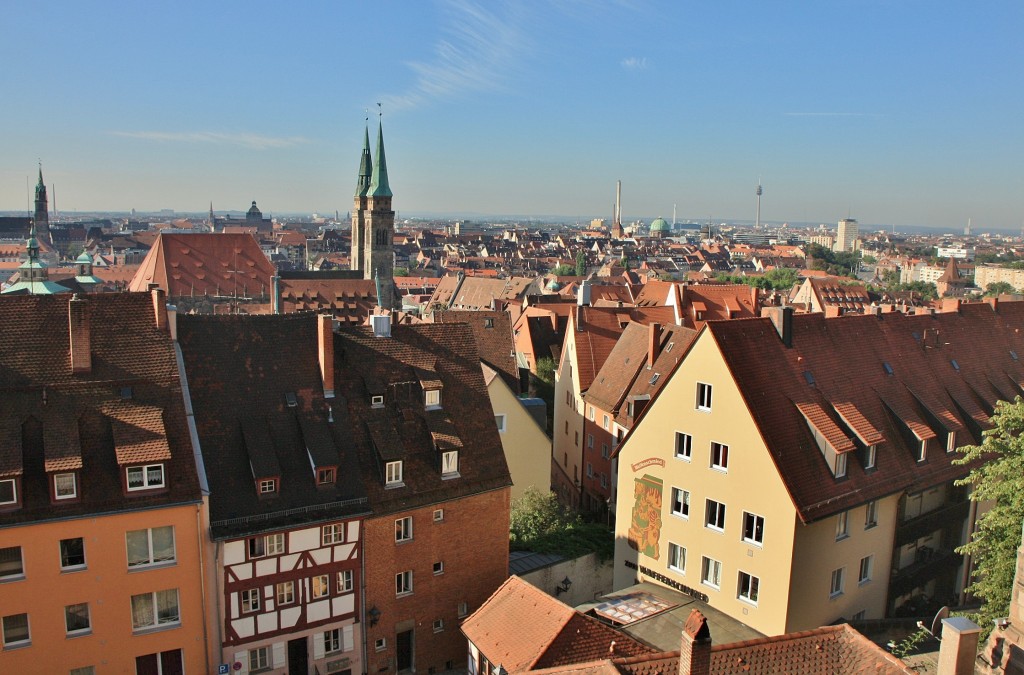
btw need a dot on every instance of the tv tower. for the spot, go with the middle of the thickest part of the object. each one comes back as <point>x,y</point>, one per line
<point>757,223</point>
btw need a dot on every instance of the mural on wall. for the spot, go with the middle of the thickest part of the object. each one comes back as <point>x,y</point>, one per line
<point>645,527</point>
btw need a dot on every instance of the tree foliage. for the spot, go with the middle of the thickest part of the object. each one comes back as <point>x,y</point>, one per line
<point>581,263</point>
<point>998,479</point>
<point>836,263</point>
<point>779,279</point>
<point>539,523</point>
<point>997,288</point>
<point>564,271</point>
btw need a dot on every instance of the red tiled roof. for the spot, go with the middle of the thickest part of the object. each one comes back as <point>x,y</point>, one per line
<point>205,264</point>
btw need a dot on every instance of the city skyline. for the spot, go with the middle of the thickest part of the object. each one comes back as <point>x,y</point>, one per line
<point>890,113</point>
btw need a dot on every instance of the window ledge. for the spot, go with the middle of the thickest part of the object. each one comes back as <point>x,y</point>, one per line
<point>843,537</point>
<point>79,633</point>
<point>12,578</point>
<point>833,596</point>
<point>710,585</point>
<point>450,476</point>
<point>755,544</point>
<point>402,595</point>
<point>392,486</point>
<point>871,526</point>
<point>680,515</point>
<point>685,458</point>
<point>152,566</point>
<point>747,601</point>
<point>156,629</point>
<point>73,568</point>
<point>864,582</point>
<point>719,530</point>
<point>17,645</point>
<point>720,469</point>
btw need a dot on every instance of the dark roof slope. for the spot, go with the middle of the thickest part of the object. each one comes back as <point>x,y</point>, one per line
<point>493,332</point>
<point>891,376</point>
<point>129,406</point>
<point>240,369</point>
<point>399,367</point>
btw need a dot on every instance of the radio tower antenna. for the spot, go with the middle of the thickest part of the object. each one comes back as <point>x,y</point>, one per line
<point>757,222</point>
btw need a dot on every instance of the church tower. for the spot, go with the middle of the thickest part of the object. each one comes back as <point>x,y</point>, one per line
<point>358,261</point>
<point>380,229</point>
<point>42,215</point>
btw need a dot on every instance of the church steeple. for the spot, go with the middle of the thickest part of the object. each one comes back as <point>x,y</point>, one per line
<point>42,213</point>
<point>379,186</point>
<point>365,166</point>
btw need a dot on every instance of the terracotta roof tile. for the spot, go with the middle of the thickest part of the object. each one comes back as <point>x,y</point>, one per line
<point>139,435</point>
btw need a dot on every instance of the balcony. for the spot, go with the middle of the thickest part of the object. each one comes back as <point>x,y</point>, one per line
<point>950,513</point>
<point>930,563</point>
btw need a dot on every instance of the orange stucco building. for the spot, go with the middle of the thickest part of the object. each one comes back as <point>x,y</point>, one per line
<point>102,509</point>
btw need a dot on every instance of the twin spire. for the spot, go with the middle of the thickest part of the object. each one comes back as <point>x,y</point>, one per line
<point>373,177</point>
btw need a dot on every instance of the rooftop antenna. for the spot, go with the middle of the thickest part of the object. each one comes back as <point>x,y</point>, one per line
<point>757,222</point>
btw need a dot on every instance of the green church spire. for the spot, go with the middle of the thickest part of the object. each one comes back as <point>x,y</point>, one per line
<point>379,186</point>
<point>365,166</point>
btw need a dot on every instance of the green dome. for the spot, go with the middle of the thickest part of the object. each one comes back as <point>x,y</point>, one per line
<point>83,257</point>
<point>659,225</point>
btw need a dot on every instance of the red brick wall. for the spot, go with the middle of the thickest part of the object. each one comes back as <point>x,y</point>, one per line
<point>471,541</point>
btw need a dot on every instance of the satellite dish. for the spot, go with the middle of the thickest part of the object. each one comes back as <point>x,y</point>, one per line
<point>937,622</point>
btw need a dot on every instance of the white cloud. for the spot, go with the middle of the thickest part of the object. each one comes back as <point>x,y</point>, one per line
<point>244,140</point>
<point>481,42</point>
<point>634,63</point>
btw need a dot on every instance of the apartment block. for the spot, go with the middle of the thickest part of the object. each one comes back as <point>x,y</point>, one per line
<point>798,470</point>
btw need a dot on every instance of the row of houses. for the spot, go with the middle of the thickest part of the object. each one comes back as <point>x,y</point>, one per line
<point>188,493</point>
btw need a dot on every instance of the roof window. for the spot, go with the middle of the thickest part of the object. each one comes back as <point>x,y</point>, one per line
<point>887,367</point>
<point>290,399</point>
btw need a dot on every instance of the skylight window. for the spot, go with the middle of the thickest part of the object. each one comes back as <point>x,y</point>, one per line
<point>809,376</point>
<point>290,399</point>
<point>888,368</point>
<point>956,366</point>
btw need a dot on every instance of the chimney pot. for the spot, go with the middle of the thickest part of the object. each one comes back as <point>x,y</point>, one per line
<point>79,341</point>
<point>159,307</point>
<point>325,344</point>
<point>653,343</point>
<point>695,647</point>
<point>959,646</point>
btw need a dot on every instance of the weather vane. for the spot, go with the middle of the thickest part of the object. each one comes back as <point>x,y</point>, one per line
<point>379,113</point>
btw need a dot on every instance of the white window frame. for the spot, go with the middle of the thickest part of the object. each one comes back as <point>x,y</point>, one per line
<point>377,401</point>
<point>332,534</point>
<point>500,420</point>
<point>704,396</point>
<point>250,600</point>
<point>432,399</point>
<point>393,474</point>
<point>867,564</point>
<point>676,557</point>
<point>684,446</point>
<point>265,545</point>
<point>74,566</point>
<point>320,586</point>
<point>147,484</point>
<point>326,475</point>
<point>334,641</point>
<point>711,572</point>
<point>155,620</point>
<point>757,533</point>
<point>605,421</point>
<point>380,644</point>
<point>14,491</point>
<point>841,465</point>
<point>267,486</point>
<point>682,498</point>
<point>57,489</point>
<point>403,529</point>
<point>449,463</point>
<point>403,583</point>
<point>438,625</point>
<point>22,642</point>
<point>842,525</point>
<point>438,568</point>
<point>714,515</point>
<point>922,451</point>
<point>70,632</point>
<point>20,573</point>
<point>284,592</point>
<point>259,658</point>
<point>951,442</point>
<point>871,457</point>
<point>151,560</point>
<point>871,514</point>
<point>462,609</point>
<point>719,456</point>
<point>748,587</point>
<point>438,515</point>
<point>837,583</point>
<point>346,581</point>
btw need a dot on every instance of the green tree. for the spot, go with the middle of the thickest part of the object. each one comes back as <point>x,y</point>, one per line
<point>997,288</point>
<point>538,522</point>
<point>997,476</point>
<point>563,271</point>
<point>581,263</point>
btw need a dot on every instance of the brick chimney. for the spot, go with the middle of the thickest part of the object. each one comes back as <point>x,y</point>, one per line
<point>782,317</point>
<point>695,648</point>
<point>325,340</point>
<point>653,343</point>
<point>959,648</point>
<point>160,307</point>
<point>78,323</point>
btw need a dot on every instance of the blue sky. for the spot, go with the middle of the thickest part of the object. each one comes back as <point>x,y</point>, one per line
<point>892,112</point>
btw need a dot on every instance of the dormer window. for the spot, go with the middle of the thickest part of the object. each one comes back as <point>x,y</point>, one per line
<point>148,477</point>
<point>951,442</point>
<point>8,492</point>
<point>870,454</point>
<point>432,398</point>
<point>65,486</point>
<point>267,486</point>
<point>325,476</point>
<point>450,464</point>
<point>840,466</point>
<point>377,401</point>
<point>393,474</point>
<point>922,451</point>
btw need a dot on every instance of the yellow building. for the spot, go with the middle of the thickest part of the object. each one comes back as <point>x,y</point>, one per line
<point>102,514</point>
<point>798,470</point>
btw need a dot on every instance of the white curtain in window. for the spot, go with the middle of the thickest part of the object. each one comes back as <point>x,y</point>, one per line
<point>163,543</point>
<point>142,610</point>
